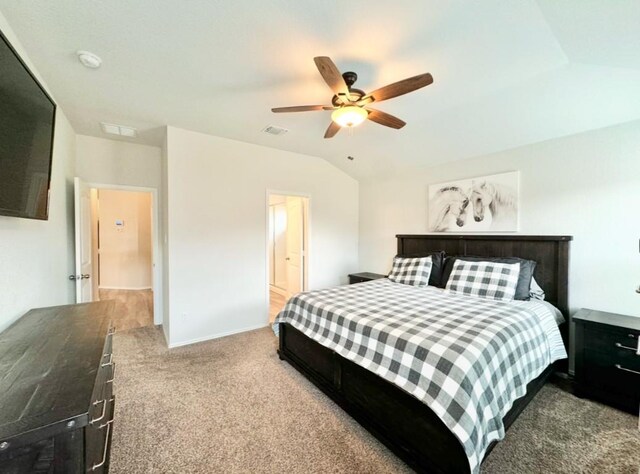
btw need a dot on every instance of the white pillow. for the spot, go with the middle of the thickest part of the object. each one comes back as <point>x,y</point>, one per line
<point>490,280</point>
<point>411,271</point>
<point>535,292</point>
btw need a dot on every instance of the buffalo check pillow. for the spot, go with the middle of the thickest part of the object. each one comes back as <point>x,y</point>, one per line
<point>490,280</point>
<point>411,271</point>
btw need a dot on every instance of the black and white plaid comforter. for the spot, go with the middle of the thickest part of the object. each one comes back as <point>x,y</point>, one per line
<point>467,358</point>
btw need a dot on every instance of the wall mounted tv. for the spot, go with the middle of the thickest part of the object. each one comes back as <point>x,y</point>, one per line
<point>27,118</point>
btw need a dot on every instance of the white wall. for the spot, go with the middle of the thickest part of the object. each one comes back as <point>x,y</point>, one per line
<point>586,185</point>
<point>217,229</point>
<point>125,251</point>
<point>36,257</point>
<point>104,161</point>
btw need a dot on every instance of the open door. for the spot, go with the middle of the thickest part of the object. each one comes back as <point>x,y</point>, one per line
<point>295,245</point>
<point>82,199</point>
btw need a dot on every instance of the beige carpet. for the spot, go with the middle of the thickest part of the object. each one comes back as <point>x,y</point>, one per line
<point>231,406</point>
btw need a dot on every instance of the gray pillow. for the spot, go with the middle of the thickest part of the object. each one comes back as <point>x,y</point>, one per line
<point>527,268</point>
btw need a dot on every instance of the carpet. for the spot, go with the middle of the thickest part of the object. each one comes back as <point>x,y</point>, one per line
<point>231,406</point>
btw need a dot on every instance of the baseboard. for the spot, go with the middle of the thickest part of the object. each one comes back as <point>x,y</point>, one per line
<point>277,289</point>
<point>130,288</point>
<point>217,336</point>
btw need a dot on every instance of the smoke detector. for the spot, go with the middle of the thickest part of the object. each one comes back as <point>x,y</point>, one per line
<point>274,130</point>
<point>120,130</point>
<point>89,60</point>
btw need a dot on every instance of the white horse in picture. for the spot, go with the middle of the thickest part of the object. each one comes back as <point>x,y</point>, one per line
<point>448,209</point>
<point>499,200</point>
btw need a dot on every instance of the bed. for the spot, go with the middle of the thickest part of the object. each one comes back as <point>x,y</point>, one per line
<point>415,431</point>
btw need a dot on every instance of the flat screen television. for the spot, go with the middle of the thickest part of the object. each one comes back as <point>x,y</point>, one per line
<point>27,120</point>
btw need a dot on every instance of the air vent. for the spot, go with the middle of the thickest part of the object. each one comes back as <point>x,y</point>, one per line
<point>120,130</point>
<point>274,130</point>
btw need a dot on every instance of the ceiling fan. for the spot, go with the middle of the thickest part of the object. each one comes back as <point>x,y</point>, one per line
<point>350,105</point>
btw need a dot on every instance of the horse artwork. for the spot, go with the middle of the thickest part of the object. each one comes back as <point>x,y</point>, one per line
<point>485,204</point>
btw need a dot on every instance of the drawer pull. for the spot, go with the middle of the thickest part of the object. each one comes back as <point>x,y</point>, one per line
<point>106,364</point>
<point>111,420</point>
<point>621,346</point>
<point>618,366</point>
<point>104,453</point>
<point>113,374</point>
<point>104,410</point>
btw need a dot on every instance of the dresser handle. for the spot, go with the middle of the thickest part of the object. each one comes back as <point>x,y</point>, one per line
<point>104,453</point>
<point>104,410</point>
<point>625,347</point>
<point>113,374</point>
<point>618,366</point>
<point>111,360</point>
<point>112,414</point>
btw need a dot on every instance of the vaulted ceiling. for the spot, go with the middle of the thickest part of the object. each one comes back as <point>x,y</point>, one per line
<point>506,73</point>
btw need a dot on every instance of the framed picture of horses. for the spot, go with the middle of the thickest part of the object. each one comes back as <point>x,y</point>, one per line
<point>484,204</point>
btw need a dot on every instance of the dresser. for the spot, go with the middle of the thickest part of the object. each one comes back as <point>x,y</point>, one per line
<point>56,390</point>
<point>364,276</point>
<point>607,362</point>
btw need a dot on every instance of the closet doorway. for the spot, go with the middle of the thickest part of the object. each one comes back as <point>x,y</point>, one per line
<point>288,248</point>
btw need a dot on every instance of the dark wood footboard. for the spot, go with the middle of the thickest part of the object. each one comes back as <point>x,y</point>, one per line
<point>400,421</point>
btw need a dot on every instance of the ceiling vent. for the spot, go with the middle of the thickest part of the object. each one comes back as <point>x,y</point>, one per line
<point>119,130</point>
<point>274,130</point>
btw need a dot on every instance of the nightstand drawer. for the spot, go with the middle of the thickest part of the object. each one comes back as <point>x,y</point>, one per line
<point>606,371</point>
<point>609,340</point>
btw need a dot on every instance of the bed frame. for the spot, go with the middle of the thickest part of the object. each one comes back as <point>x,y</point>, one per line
<point>403,423</point>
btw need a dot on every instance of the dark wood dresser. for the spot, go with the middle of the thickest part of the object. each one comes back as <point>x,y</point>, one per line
<point>364,276</point>
<point>56,390</point>
<point>607,360</point>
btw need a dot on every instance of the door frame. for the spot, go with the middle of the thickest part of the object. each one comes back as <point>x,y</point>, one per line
<point>307,241</point>
<point>156,262</point>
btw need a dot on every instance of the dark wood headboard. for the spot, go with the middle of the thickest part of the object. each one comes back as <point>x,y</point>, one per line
<point>551,252</point>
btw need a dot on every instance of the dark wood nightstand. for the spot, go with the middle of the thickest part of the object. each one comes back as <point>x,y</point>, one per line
<point>365,276</point>
<point>607,360</point>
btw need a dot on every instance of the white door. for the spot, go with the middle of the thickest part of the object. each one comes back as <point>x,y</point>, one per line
<point>295,240</point>
<point>83,241</point>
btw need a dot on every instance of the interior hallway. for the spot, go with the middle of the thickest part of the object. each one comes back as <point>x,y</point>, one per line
<point>276,303</point>
<point>134,308</point>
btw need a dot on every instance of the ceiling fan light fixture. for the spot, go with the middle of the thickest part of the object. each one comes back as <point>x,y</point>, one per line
<point>349,116</point>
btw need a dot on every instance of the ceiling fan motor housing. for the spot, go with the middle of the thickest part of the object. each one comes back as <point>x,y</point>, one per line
<point>350,78</point>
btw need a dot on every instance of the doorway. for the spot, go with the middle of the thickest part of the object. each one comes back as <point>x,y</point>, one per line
<point>288,248</point>
<point>115,251</point>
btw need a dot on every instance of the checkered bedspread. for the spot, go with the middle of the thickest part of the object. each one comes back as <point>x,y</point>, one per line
<point>467,358</point>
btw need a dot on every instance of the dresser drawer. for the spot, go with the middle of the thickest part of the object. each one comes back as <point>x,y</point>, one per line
<point>98,440</point>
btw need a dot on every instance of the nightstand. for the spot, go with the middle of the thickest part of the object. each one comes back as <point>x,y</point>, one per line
<point>365,276</point>
<point>607,360</point>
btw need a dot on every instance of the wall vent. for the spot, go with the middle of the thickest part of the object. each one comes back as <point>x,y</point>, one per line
<point>274,130</point>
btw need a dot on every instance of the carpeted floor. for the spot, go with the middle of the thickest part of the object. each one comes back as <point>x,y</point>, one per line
<point>231,406</point>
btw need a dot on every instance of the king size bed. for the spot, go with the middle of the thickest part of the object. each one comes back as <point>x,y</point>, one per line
<point>436,376</point>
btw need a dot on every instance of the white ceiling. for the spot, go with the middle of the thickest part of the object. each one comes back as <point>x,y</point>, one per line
<point>506,73</point>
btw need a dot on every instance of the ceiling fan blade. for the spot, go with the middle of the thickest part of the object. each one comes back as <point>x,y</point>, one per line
<point>399,88</point>
<point>332,130</point>
<point>299,108</point>
<point>332,77</point>
<point>385,119</point>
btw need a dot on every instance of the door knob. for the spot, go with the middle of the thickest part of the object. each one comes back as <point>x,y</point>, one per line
<point>75,277</point>
<point>85,276</point>
<point>287,258</point>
